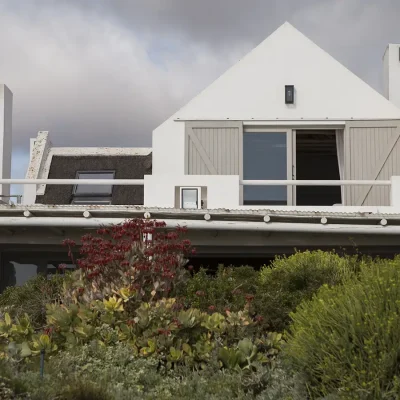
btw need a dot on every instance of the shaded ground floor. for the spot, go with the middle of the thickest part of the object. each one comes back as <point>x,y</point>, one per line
<point>27,252</point>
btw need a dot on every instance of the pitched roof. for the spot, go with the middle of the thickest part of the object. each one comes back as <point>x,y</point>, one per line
<point>125,166</point>
<point>254,87</point>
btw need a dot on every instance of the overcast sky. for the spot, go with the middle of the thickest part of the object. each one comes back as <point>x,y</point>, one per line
<point>107,72</point>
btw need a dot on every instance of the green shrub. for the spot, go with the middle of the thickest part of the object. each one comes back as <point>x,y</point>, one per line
<point>80,390</point>
<point>11,388</point>
<point>118,375</point>
<point>97,372</point>
<point>226,290</point>
<point>160,329</point>
<point>289,280</point>
<point>31,298</point>
<point>347,339</point>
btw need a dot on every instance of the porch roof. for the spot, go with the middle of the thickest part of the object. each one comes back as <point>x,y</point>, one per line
<point>334,214</point>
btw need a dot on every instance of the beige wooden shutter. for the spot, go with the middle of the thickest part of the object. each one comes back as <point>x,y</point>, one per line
<point>372,152</point>
<point>213,148</point>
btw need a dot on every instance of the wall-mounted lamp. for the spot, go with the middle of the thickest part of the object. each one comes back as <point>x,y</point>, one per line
<point>289,94</point>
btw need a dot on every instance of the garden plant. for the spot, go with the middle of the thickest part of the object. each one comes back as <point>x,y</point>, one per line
<point>136,321</point>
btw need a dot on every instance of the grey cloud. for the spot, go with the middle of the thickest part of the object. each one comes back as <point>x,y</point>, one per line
<point>223,22</point>
<point>91,81</point>
<point>108,72</point>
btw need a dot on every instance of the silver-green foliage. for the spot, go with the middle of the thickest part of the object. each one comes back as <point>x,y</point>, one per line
<point>113,373</point>
<point>347,339</point>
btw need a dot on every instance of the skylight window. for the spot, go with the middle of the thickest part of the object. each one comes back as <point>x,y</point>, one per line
<point>93,194</point>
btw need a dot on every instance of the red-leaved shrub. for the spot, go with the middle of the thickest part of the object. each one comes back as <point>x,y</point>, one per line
<point>139,256</point>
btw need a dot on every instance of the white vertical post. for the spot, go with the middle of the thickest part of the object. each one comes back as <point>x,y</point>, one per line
<point>395,192</point>
<point>6,103</point>
<point>391,69</point>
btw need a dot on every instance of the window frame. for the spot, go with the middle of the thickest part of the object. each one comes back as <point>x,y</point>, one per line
<point>290,157</point>
<point>92,198</point>
<point>198,190</point>
<point>94,201</point>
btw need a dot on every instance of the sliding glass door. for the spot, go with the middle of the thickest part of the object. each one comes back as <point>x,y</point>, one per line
<point>267,155</point>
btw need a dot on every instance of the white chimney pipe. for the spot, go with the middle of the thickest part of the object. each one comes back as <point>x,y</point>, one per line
<point>391,73</point>
<point>6,103</point>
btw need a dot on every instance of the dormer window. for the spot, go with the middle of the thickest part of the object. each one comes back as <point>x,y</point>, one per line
<point>93,194</point>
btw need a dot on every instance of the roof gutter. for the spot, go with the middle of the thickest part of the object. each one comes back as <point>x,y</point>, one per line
<point>244,226</point>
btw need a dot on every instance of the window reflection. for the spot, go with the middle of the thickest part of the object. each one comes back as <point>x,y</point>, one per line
<point>94,190</point>
<point>23,272</point>
<point>16,271</point>
<point>265,158</point>
<point>93,194</point>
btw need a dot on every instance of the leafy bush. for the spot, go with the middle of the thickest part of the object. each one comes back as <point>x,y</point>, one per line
<point>290,280</point>
<point>231,288</point>
<point>159,329</point>
<point>347,339</point>
<point>105,302</point>
<point>137,254</point>
<point>31,298</point>
<point>87,370</point>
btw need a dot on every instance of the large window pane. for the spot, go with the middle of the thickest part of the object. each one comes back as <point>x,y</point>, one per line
<point>264,158</point>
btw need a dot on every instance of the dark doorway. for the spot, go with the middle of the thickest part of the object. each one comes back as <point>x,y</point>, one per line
<point>317,159</point>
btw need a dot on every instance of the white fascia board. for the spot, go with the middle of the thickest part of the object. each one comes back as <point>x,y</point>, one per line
<point>364,212</point>
<point>245,226</point>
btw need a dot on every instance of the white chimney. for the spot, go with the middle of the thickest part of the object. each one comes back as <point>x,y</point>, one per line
<point>391,73</point>
<point>6,103</point>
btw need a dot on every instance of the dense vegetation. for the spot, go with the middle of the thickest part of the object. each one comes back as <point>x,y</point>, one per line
<point>347,340</point>
<point>135,322</point>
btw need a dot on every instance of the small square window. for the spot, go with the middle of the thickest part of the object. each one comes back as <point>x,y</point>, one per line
<point>190,198</point>
<point>94,190</point>
<point>93,194</point>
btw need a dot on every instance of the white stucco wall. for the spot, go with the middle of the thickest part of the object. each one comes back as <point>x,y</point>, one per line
<point>391,61</point>
<point>222,191</point>
<point>6,103</point>
<point>169,148</point>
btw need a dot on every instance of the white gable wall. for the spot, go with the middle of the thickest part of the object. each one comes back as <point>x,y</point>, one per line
<point>253,90</point>
<point>254,87</point>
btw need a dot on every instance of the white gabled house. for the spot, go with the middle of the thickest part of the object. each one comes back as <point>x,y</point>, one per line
<point>242,125</point>
<point>288,149</point>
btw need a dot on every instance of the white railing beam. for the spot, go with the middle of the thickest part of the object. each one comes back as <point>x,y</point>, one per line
<point>138,182</point>
<point>113,182</point>
<point>314,183</point>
